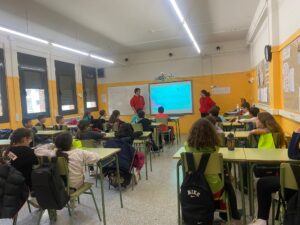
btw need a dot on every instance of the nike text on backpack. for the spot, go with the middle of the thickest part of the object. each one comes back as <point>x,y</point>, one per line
<point>196,198</point>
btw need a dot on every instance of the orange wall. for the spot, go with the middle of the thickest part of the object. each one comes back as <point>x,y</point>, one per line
<point>237,81</point>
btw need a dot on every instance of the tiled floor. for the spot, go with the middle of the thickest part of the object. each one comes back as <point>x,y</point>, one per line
<point>152,202</point>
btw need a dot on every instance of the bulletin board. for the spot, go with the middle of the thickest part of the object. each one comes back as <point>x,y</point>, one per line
<point>291,76</point>
<point>262,72</point>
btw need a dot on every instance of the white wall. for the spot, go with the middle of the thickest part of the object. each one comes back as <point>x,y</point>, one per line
<point>233,57</point>
<point>289,18</point>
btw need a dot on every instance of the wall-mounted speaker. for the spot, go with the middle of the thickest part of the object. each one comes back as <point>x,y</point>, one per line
<point>100,73</point>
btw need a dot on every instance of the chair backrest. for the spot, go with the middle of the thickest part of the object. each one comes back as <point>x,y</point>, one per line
<point>222,139</point>
<point>253,140</point>
<point>287,178</point>
<point>137,127</point>
<point>214,166</point>
<point>164,121</point>
<point>63,170</point>
<point>115,127</point>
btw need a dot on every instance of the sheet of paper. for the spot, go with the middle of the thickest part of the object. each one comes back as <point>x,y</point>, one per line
<point>286,53</point>
<point>103,98</point>
<point>221,90</point>
<point>292,80</point>
<point>286,70</point>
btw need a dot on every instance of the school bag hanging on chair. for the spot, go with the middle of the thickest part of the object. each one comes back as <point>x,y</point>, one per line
<point>196,197</point>
<point>48,185</point>
<point>294,149</point>
<point>292,209</point>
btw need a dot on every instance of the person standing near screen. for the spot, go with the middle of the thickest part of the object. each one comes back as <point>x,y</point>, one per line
<point>206,103</point>
<point>137,101</point>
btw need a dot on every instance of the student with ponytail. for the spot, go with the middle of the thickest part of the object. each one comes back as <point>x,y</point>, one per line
<point>22,157</point>
<point>76,158</point>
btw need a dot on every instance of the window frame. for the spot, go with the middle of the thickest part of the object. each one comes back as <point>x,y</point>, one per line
<point>84,76</point>
<point>3,83</point>
<point>58,88</point>
<point>44,76</point>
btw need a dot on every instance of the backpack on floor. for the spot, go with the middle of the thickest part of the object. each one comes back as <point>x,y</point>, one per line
<point>292,209</point>
<point>196,197</point>
<point>48,185</point>
<point>125,178</point>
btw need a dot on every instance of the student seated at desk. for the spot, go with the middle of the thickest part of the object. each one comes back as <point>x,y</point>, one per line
<point>114,121</point>
<point>214,111</point>
<point>76,158</point>
<point>266,127</point>
<point>99,124</point>
<point>163,127</point>
<point>135,117</point>
<point>27,123</point>
<point>60,123</point>
<point>21,155</point>
<point>265,187</point>
<point>214,122</point>
<point>85,132</point>
<point>124,140</point>
<point>41,122</point>
<point>253,112</point>
<point>204,138</point>
<point>146,123</point>
<point>87,117</point>
<point>245,107</point>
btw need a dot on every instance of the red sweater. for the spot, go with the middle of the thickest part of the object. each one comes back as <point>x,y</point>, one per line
<point>205,104</point>
<point>137,102</point>
<point>163,128</point>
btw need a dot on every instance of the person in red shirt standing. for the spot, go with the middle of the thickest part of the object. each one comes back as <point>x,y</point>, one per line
<point>137,101</point>
<point>205,103</point>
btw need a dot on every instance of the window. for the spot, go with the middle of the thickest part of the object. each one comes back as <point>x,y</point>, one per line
<point>89,81</point>
<point>3,92</point>
<point>66,88</point>
<point>33,85</point>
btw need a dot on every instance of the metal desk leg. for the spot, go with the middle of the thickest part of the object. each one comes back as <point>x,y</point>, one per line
<point>178,191</point>
<point>251,196</point>
<point>242,193</point>
<point>150,154</point>
<point>118,174</point>
<point>146,159</point>
<point>102,192</point>
<point>179,134</point>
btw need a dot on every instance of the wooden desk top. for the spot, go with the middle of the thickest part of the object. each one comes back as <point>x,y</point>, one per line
<point>234,124</point>
<point>49,132</point>
<point>238,134</point>
<point>111,135</point>
<point>236,155</point>
<point>103,152</point>
<point>4,142</point>
<point>266,155</point>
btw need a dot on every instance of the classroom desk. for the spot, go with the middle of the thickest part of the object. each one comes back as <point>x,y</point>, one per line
<point>51,133</point>
<point>175,119</point>
<point>137,141</point>
<point>232,125</point>
<point>155,126</point>
<point>237,156</point>
<point>238,134</point>
<point>4,142</point>
<point>262,156</point>
<point>105,154</point>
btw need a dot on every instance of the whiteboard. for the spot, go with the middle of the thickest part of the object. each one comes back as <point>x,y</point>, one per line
<point>119,98</point>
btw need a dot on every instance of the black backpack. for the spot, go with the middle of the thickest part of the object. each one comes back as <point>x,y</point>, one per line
<point>197,201</point>
<point>48,185</point>
<point>294,150</point>
<point>292,209</point>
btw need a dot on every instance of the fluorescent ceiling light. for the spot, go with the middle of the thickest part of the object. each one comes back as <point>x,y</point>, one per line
<point>23,35</point>
<point>69,49</point>
<point>185,25</point>
<point>102,59</point>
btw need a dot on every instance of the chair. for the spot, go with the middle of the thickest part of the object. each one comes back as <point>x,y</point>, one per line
<point>214,167</point>
<point>287,181</point>
<point>137,127</point>
<point>163,134</point>
<point>63,170</point>
<point>222,139</point>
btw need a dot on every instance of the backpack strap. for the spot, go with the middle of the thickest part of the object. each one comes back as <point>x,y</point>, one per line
<point>203,163</point>
<point>296,172</point>
<point>190,162</point>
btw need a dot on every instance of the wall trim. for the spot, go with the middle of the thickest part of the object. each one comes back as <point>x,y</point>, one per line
<point>267,108</point>
<point>290,115</point>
